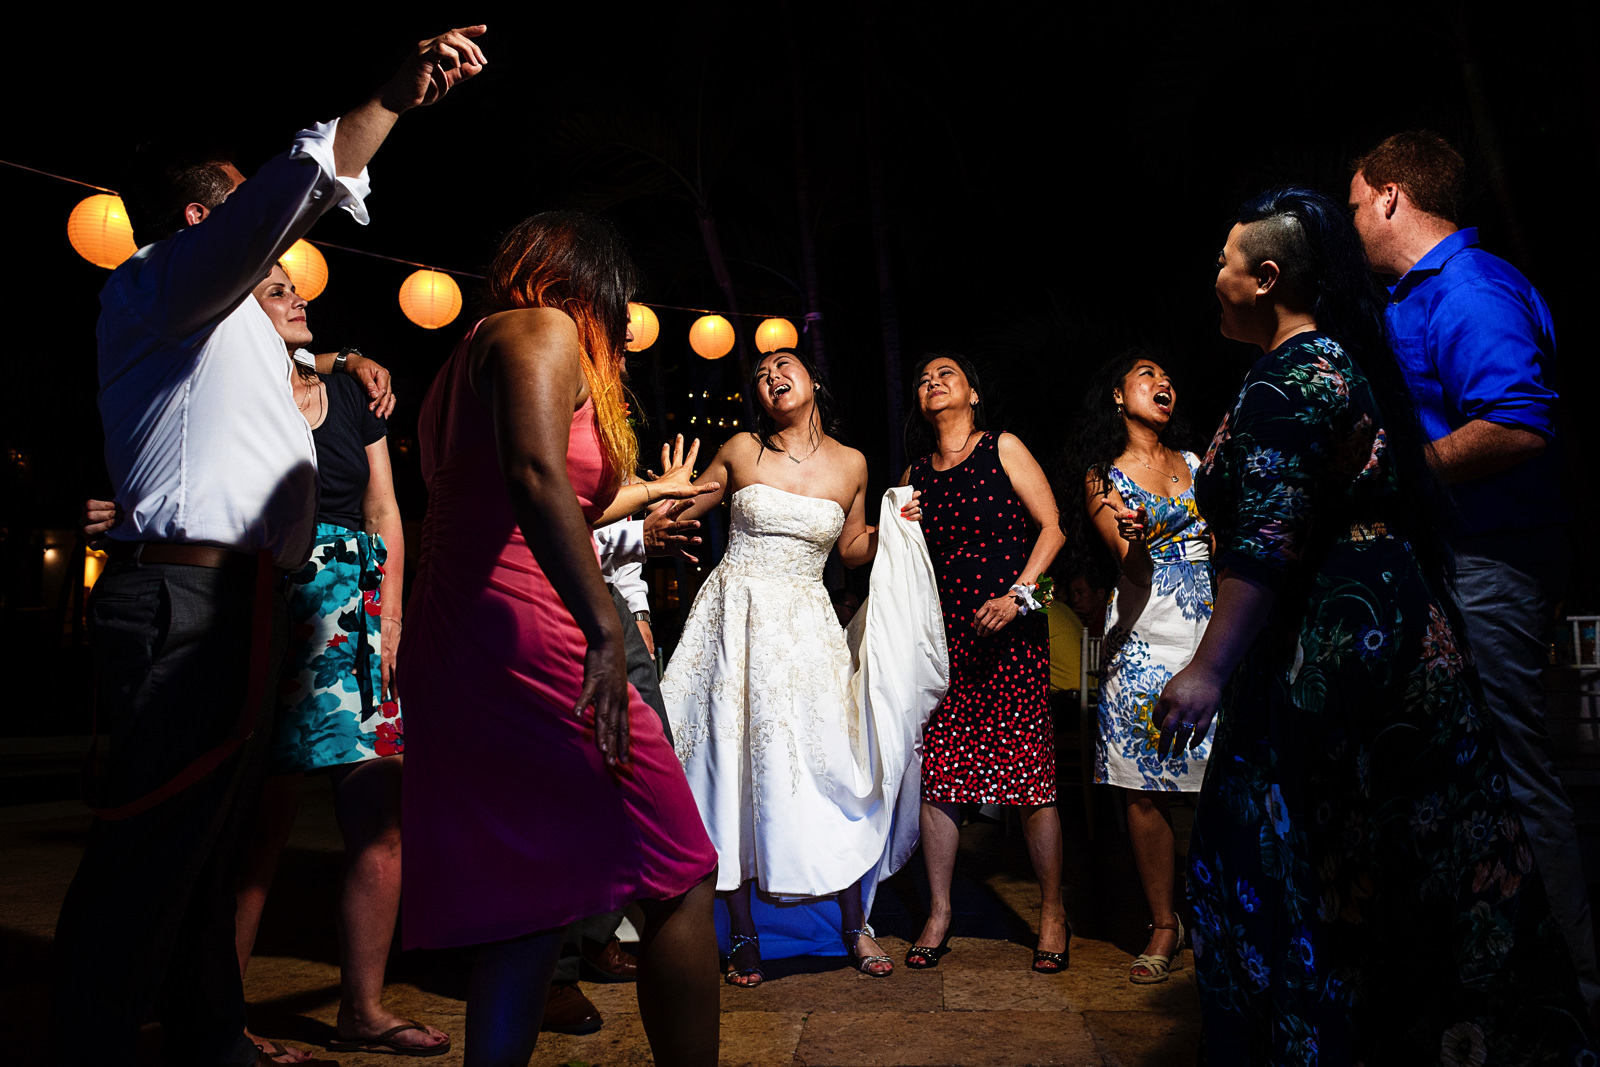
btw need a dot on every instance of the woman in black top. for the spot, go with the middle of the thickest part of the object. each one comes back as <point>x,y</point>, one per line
<point>338,709</point>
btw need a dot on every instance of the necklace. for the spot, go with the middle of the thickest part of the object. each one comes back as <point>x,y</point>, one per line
<point>1156,470</point>
<point>964,445</point>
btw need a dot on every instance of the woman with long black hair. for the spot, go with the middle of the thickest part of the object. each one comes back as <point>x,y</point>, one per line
<point>1139,512</point>
<point>1362,888</point>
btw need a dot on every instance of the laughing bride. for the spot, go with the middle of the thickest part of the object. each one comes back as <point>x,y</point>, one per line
<point>799,747</point>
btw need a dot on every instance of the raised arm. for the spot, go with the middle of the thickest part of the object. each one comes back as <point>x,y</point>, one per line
<point>1121,528</point>
<point>529,361</point>
<point>380,515</point>
<point>674,484</point>
<point>429,72</point>
<point>715,478</point>
<point>204,271</point>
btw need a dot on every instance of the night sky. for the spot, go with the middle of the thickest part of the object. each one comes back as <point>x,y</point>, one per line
<point>1049,189</point>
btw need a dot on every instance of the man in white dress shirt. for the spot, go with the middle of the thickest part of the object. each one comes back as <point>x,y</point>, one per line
<point>215,475</point>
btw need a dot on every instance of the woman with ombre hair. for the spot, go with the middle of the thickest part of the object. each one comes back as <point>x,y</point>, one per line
<point>541,789</point>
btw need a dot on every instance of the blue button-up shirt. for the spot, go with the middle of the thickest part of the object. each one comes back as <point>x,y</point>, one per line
<point>1476,341</point>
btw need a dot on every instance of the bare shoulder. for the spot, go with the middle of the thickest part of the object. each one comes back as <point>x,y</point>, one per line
<point>522,325</point>
<point>1010,446</point>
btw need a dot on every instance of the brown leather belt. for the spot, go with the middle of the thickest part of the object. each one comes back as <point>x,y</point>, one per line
<point>187,555</point>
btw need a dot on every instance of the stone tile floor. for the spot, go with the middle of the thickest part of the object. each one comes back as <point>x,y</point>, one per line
<point>980,1007</point>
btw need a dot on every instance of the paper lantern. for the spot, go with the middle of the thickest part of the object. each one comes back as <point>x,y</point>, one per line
<point>774,334</point>
<point>711,337</point>
<point>100,231</point>
<point>306,268</point>
<point>430,299</point>
<point>644,325</point>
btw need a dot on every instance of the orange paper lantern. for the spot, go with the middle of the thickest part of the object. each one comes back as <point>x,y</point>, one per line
<point>644,326</point>
<point>306,268</point>
<point>774,334</point>
<point>430,299</point>
<point>711,337</point>
<point>100,231</point>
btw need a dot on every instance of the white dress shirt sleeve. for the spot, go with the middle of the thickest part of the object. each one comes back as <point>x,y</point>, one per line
<point>194,279</point>
<point>620,543</point>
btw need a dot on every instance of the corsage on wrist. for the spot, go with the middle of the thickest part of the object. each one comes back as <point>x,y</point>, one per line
<point>1036,596</point>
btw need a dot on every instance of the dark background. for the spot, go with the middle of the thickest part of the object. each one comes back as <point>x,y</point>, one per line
<point>1035,191</point>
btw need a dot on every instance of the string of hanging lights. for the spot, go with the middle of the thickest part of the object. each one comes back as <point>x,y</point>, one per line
<point>99,230</point>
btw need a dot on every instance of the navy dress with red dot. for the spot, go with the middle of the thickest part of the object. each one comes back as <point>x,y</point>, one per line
<point>990,740</point>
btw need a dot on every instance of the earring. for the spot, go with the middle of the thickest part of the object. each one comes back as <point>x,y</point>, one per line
<point>1119,408</point>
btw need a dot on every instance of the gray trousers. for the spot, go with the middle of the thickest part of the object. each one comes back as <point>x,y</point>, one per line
<point>1508,585</point>
<point>147,925</point>
<point>642,676</point>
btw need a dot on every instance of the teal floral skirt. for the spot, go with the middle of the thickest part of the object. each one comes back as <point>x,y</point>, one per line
<point>331,710</point>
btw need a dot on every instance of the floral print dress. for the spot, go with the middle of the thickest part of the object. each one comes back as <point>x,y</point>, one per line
<point>1151,634</point>
<point>1362,888</point>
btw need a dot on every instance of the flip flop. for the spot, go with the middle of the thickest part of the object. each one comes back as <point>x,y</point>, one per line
<point>385,1042</point>
<point>273,1049</point>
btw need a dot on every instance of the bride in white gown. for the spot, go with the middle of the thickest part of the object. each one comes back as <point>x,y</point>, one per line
<point>797,756</point>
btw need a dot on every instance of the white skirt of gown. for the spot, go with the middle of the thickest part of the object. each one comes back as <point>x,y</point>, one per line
<point>803,758</point>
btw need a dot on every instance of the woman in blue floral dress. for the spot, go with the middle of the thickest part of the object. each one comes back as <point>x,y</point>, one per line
<point>1140,506</point>
<point>1363,890</point>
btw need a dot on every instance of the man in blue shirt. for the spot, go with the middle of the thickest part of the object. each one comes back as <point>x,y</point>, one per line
<point>1477,345</point>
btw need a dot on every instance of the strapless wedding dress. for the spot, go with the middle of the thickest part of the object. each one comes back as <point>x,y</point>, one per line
<point>800,742</point>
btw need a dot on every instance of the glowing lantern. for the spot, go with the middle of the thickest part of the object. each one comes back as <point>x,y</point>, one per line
<point>100,231</point>
<point>306,268</point>
<point>774,334</point>
<point>430,299</point>
<point>711,337</point>
<point>644,325</point>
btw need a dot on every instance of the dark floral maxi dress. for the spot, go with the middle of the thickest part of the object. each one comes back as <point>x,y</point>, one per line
<point>1362,888</point>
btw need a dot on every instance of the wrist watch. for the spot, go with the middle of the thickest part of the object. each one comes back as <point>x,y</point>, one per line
<point>641,616</point>
<point>343,357</point>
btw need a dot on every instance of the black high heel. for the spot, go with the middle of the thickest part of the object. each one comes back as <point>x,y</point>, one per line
<point>928,957</point>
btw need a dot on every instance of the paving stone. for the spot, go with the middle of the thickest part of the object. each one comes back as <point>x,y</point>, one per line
<point>1145,1039</point>
<point>840,988</point>
<point>1003,991</point>
<point>971,1039</point>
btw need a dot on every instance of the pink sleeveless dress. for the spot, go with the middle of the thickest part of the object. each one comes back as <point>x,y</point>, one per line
<point>512,822</point>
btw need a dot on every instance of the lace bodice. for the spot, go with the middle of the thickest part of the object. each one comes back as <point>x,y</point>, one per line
<point>778,534</point>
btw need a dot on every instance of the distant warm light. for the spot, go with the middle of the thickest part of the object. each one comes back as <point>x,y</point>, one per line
<point>100,231</point>
<point>94,563</point>
<point>430,299</point>
<point>774,334</point>
<point>306,268</point>
<point>644,326</point>
<point>711,337</point>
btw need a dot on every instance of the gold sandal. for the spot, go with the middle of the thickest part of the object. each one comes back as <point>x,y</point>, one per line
<point>1158,968</point>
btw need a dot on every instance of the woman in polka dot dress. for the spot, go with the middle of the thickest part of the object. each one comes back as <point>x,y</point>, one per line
<point>990,741</point>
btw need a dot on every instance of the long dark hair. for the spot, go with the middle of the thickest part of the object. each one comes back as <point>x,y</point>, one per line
<point>918,435</point>
<point>1324,267</point>
<point>1100,436</point>
<point>823,405</point>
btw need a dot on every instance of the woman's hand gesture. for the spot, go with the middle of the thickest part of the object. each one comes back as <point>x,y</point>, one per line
<point>1131,523</point>
<point>1186,708</point>
<point>912,512</point>
<point>993,616</point>
<point>605,688</point>
<point>676,479</point>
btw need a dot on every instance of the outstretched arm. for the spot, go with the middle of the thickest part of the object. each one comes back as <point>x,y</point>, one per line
<point>432,70</point>
<point>674,483</point>
<point>1122,529</point>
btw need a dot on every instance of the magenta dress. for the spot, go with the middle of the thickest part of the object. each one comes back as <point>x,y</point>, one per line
<point>512,822</point>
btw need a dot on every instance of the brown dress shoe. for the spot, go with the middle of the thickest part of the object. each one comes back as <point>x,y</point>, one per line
<point>609,963</point>
<point>568,1011</point>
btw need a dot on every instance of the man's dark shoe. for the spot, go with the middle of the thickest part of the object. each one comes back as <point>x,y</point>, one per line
<point>568,1011</point>
<point>609,962</point>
